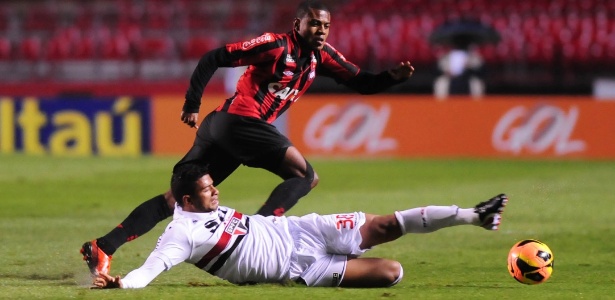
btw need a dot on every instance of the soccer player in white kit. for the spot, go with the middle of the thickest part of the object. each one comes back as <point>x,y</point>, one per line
<point>316,250</point>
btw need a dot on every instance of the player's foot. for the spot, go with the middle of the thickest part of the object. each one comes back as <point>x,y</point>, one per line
<point>97,260</point>
<point>490,212</point>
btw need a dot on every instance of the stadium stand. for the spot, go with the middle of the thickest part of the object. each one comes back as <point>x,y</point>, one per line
<point>571,36</point>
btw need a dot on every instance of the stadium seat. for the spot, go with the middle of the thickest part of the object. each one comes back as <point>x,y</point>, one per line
<point>30,48</point>
<point>57,48</point>
<point>155,48</point>
<point>116,48</point>
<point>6,48</point>
<point>84,48</point>
<point>195,47</point>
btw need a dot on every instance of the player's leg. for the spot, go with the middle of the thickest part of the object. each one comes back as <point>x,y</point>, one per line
<point>97,253</point>
<point>260,145</point>
<point>381,229</point>
<point>372,272</point>
<point>299,179</point>
<point>329,247</point>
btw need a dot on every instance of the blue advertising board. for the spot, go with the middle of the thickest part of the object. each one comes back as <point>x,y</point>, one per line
<point>105,126</point>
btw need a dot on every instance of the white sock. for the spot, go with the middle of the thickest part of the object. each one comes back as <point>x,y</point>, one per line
<point>432,218</point>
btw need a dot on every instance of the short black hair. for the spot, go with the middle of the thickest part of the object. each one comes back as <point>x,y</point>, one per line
<point>305,7</point>
<point>183,181</point>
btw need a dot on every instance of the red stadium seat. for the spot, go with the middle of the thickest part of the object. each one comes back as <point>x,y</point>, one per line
<point>6,48</point>
<point>195,47</point>
<point>30,48</point>
<point>84,49</point>
<point>116,47</point>
<point>39,19</point>
<point>57,48</point>
<point>155,48</point>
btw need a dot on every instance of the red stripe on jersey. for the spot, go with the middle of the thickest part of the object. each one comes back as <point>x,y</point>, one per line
<point>220,245</point>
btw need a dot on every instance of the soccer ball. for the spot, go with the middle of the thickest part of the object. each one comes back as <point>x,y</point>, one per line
<point>530,262</point>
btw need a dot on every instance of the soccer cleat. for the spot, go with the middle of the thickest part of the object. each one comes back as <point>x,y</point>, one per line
<point>490,212</point>
<point>98,261</point>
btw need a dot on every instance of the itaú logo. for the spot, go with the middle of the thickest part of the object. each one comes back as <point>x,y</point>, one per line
<point>537,129</point>
<point>349,128</point>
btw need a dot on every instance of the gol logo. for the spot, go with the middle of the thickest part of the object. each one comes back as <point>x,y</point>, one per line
<point>349,128</point>
<point>537,129</point>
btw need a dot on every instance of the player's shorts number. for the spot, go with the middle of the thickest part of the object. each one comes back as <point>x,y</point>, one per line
<point>345,221</point>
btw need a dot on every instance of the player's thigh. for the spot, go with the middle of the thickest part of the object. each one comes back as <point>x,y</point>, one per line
<point>370,272</point>
<point>220,163</point>
<point>335,233</point>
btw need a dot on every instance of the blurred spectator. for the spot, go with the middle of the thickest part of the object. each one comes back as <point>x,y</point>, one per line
<point>462,67</point>
<point>462,74</point>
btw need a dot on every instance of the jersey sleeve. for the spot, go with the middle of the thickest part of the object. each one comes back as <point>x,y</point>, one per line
<point>174,247</point>
<point>334,64</point>
<point>205,69</point>
<point>265,48</point>
<point>142,276</point>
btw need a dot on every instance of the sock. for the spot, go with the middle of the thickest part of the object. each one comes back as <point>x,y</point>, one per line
<point>432,218</point>
<point>141,220</point>
<point>285,196</point>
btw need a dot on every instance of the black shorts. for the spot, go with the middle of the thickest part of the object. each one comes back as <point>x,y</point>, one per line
<point>225,141</point>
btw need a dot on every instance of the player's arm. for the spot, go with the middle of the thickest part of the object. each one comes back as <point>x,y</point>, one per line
<point>367,83</point>
<point>138,278</point>
<point>205,69</point>
<point>174,247</point>
<point>334,65</point>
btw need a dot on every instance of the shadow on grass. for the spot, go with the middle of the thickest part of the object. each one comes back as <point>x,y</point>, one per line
<point>62,279</point>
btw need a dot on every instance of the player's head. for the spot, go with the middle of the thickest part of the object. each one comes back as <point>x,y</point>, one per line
<point>194,189</point>
<point>312,22</point>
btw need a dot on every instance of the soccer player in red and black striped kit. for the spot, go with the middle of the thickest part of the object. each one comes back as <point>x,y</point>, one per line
<point>281,68</point>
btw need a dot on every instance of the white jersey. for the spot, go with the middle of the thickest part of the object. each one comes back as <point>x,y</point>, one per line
<point>225,243</point>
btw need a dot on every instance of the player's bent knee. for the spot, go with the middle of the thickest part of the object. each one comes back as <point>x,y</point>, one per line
<point>400,275</point>
<point>314,181</point>
<point>392,272</point>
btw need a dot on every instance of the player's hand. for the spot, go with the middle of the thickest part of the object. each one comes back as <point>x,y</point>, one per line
<point>190,119</point>
<point>104,281</point>
<point>403,71</point>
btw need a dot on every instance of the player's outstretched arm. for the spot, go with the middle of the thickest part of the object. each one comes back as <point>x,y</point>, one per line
<point>136,279</point>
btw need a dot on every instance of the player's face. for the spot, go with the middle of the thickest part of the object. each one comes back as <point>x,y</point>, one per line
<point>314,27</point>
<point>206,198</point>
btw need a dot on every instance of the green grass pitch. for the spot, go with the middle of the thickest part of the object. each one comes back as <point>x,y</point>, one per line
<point>50,206</point>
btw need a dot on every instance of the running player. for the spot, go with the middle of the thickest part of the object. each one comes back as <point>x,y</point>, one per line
<point>315,250</point>
<point>281,68</point>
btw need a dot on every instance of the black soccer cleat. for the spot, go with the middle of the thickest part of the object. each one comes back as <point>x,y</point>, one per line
<point>490,212</point>
<point>97,260</point>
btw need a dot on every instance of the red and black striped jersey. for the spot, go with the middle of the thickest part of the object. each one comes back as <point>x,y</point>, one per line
<point>280,71</point>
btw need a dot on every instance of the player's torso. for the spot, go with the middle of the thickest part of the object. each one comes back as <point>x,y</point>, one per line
<point>267,89</point>
<point>214,238</point>
<point>242,249</point>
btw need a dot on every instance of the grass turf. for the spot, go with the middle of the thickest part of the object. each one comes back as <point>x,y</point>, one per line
<point>50,206</point>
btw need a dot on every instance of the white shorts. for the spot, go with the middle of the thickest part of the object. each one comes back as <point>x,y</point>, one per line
<point>322,246</point>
